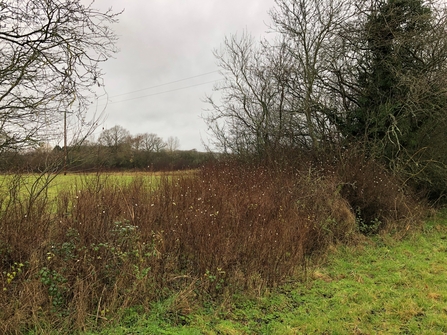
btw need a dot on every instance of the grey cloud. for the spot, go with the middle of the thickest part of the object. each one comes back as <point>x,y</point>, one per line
<point>162,41</point>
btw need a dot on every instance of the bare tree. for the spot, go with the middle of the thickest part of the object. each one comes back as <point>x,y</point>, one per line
<point>274,93</point>
<point>253,115</point>
<point>152,142</point>
<point>114,137</point>
<point>148,142</point>
<point>311,28</point>
<point>172,144</point>
<point>50,52</point>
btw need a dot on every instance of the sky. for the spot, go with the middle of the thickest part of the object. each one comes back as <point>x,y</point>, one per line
<point>158,81</point>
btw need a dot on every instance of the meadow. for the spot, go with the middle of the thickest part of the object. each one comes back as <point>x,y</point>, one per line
<point>83,252</point>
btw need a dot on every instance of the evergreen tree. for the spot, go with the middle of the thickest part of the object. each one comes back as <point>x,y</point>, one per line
<point>395,52</point>
<point>402,100</point>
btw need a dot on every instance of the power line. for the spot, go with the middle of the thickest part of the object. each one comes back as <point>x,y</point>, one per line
<point>173,90</point>
<point>160,85</point>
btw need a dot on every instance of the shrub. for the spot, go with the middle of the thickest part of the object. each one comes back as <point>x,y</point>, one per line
<point>230,227</point>
<point>379,198</point>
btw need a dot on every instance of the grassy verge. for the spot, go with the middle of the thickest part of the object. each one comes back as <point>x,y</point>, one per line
<point>383,285</point>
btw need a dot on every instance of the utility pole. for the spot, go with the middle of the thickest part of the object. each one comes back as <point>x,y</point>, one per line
<point>65,142</point>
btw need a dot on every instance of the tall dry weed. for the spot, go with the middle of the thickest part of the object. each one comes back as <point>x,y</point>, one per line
<point>229,227</point>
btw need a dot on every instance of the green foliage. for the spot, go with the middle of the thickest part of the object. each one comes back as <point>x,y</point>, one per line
<point>393,33</point>
<point>56,284</point>
<point>400,97</point>
<point>367,228</point>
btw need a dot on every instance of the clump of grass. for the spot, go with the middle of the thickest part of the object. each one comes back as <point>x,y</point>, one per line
<point>109,244</point>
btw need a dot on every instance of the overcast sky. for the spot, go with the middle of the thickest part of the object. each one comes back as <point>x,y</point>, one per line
<point>161,43</point>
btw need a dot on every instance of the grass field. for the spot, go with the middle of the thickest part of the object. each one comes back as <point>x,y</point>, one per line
<point>55,183</point>
<point>380,286</point>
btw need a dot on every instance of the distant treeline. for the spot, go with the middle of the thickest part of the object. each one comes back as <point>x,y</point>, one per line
<point>100,158</point>
<point>116,149</point>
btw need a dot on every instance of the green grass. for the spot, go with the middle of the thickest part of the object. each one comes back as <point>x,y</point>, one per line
<point>55,183</point>
<point>383,285</point>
